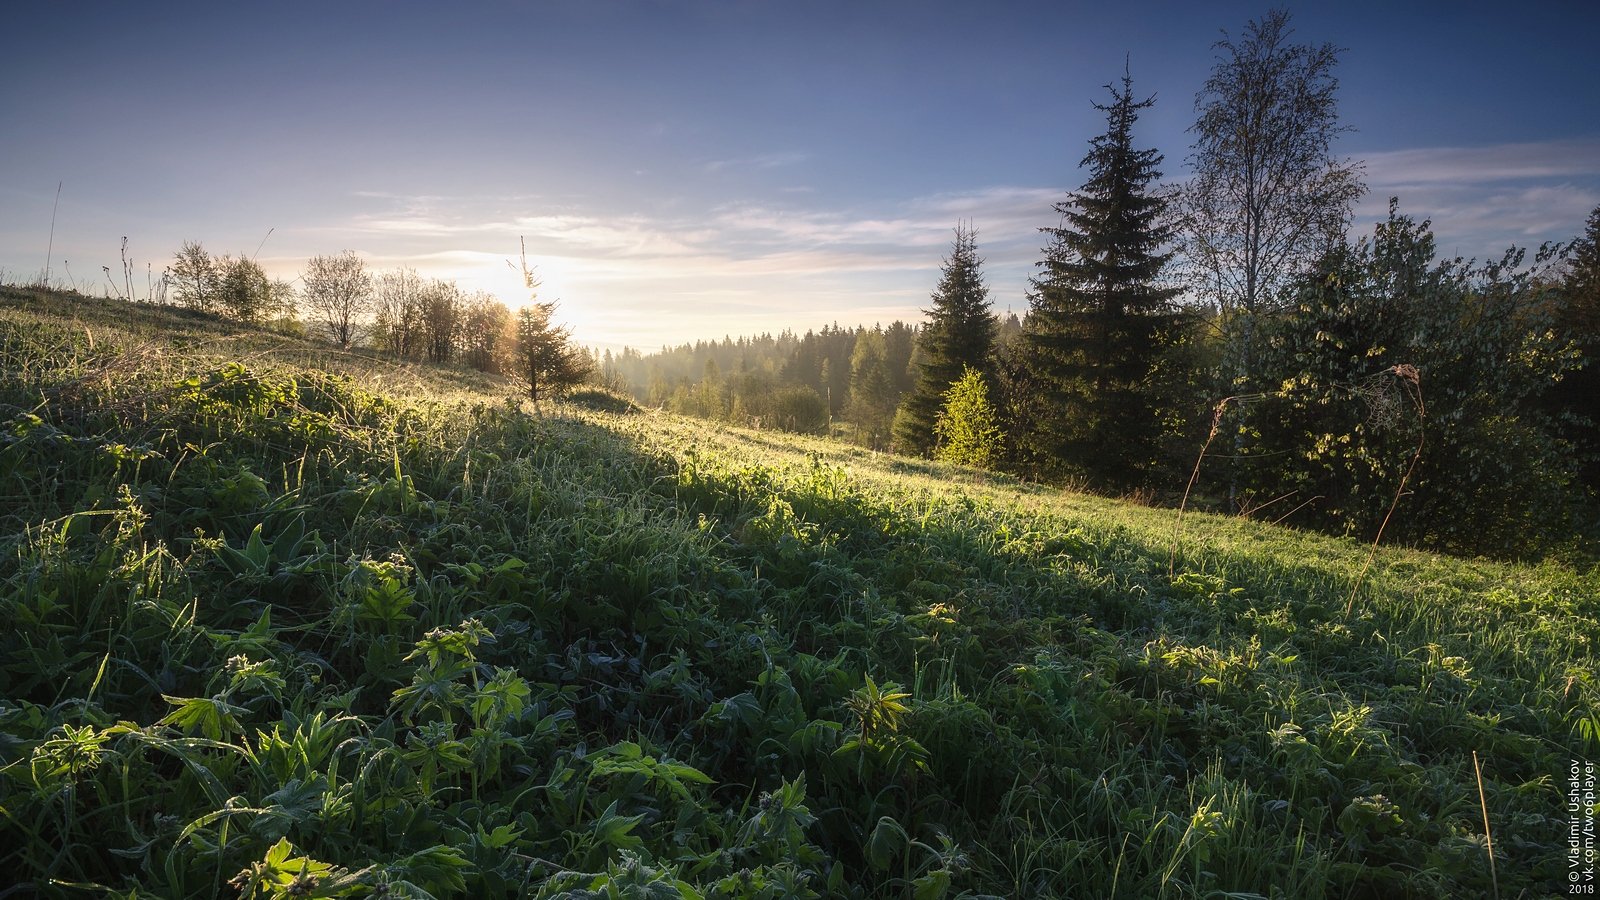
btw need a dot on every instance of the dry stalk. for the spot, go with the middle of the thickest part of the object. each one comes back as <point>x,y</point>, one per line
<point>1279,520</point>
<point>1216,425</point>
<point>1177,528</point>
<point>1412,379</point>
<point>1488,838</point>
<point>50,248</point>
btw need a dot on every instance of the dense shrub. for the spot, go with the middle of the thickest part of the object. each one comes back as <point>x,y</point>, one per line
<point>1388,352</point>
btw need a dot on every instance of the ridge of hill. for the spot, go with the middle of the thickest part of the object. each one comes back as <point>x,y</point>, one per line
<point>314,623</point>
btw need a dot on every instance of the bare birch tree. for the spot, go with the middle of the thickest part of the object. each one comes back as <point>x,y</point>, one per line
<point>337,291</point>
<point>397,312</point>
<point>1268,194</point>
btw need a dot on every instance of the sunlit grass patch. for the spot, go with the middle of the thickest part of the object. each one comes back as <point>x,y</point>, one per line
<point>294,620</point>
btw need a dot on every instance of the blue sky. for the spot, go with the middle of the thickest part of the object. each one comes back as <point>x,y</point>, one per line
<point>694,169</point>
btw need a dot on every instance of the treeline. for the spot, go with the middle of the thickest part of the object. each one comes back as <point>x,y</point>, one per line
<point>1225,343</point>
<point>1380,349</point>
<point>396,312</point>
<point>235,287</point>
<point>847,381</point>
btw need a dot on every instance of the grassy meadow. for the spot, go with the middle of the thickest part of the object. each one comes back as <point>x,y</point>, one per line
<point>287,622</point>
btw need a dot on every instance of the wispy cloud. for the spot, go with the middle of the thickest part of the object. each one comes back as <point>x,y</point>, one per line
<point>753,238</point>
<point>582,235</point>
<point>1001,215</point>
<point>1482,165</point>
<point>756,225</point>
<point>1469,221</point>
<point>793,262</point>
<point>759,161</point>
<point>1482,199</point>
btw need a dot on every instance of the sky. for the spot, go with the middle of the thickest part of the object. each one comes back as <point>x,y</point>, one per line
<point>694,169</point>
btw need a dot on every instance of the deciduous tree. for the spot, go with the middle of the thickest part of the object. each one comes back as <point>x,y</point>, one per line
<point>1576,400</point>
<point>1268,195</point>
<point>193,275</point>
<point>243,290</point>
<point>337,291</point>
<point>1386,350</point>
<point>397,312</point>
<point>487,333</point>
<point>442,313</point>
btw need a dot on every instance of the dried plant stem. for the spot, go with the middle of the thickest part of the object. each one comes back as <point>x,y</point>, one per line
<point>1408,375</point>
<point>1177,528</point>
<point>1488,838</point>
<point>263,243</point>
<point>50,248</point>
<point>1279,520</point>
<point>127,271</point>
<point>1216,425</point>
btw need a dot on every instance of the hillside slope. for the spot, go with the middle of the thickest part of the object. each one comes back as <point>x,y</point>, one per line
<point>314,624</point>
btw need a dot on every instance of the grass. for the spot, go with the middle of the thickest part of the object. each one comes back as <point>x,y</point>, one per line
<point>291,622</point>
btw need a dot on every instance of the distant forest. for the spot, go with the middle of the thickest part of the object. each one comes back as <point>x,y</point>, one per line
<point>847,382</point>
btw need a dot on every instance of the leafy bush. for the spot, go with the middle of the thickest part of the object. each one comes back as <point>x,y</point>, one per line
<point>1388,353</point>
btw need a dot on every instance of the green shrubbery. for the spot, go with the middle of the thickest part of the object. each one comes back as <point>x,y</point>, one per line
<point>1392,359</point>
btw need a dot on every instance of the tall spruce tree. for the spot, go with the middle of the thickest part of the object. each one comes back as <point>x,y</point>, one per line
<point>960,334</point>
<point>1099,308</point>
